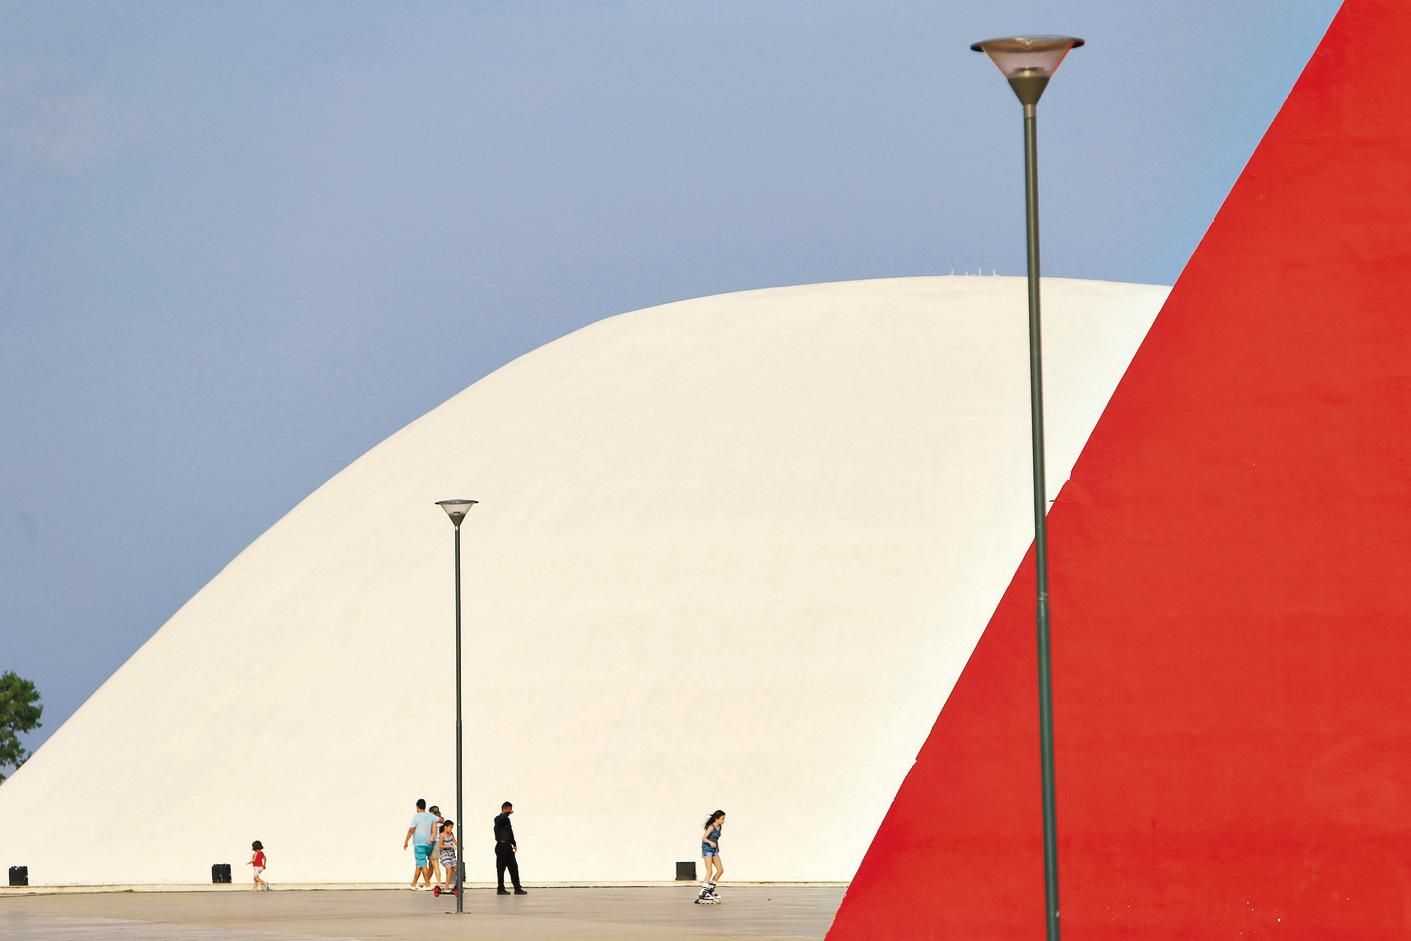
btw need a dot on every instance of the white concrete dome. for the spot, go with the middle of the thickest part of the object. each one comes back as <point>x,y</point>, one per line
<point>731,552</point>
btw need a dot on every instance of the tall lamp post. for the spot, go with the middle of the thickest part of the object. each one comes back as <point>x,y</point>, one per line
<point>1028,62</point>
<point>456,510</point>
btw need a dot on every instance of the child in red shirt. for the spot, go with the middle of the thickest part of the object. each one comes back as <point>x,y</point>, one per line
<point>258,861</point>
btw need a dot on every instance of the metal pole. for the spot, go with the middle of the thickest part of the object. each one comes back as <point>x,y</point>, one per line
<point>1036,411</point>
<point>460,813</point>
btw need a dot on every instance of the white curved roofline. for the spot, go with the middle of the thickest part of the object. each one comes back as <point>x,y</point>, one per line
<point>730,552</point>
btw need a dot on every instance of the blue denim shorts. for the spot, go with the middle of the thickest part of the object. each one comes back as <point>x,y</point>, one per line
<point>708,850</point>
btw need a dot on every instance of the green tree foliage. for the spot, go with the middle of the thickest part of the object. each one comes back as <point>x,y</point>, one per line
<point>19,712</point>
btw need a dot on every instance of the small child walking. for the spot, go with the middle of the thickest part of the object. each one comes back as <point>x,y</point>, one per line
<point>257,859</point>
<point>446,852</point>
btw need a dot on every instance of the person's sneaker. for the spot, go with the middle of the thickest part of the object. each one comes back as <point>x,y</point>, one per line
<point>520,892</point>
<point>502,891</point>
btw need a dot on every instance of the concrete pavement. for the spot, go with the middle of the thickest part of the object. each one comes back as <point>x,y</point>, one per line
<point>664,913</point>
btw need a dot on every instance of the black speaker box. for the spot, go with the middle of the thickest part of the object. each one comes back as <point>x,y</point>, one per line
<point>686,872</point>
<point>220,873</point>
<point>19,875</point>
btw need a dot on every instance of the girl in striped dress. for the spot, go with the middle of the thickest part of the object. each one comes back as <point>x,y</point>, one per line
<point>446,852</point>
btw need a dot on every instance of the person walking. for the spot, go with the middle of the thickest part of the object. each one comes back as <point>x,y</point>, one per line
<point>421,831</point>
<point>446,853</point>
<point>505,848</point>
<point>258,860</point>
<point>435,811</point>
<point>710,855</point>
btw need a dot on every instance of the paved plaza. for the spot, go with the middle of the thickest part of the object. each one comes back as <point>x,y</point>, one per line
<point>758,913</point>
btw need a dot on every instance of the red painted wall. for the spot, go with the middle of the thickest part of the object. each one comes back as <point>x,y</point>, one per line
<point>1231,569</point>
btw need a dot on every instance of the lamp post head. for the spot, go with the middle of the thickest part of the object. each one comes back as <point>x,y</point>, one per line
<point>456,509</point>
<point>1028,61</point>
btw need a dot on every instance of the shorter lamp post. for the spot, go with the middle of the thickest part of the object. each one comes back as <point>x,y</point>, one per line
<point>456,510</point>
<point>1028,62</point>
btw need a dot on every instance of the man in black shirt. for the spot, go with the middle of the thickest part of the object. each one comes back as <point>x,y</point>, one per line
<point>505,850</point>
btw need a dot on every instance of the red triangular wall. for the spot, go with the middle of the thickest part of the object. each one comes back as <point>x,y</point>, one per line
<point>1231,575</point>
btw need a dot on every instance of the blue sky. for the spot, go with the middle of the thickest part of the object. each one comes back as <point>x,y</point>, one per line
<point>242,243</point>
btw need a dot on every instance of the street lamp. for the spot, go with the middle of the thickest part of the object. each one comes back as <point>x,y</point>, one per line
<point>456,510</point>
<point>1028,62</point>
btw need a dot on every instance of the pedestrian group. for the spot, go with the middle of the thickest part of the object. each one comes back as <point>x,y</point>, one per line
<point>437,851</point>
<point>437,855</point>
